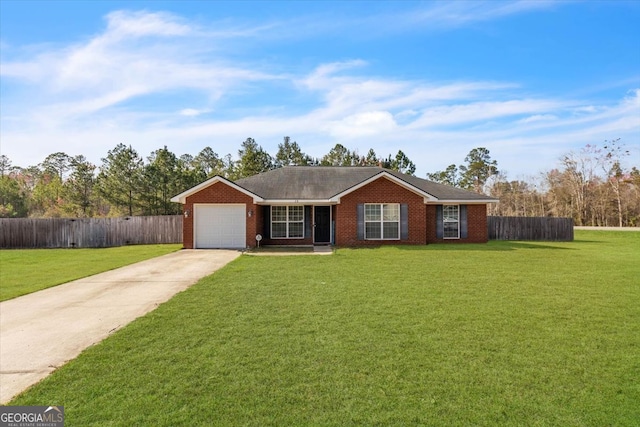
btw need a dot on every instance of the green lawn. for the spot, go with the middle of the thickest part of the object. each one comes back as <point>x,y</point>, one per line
<point>508,333</point>
<point>23,271</point>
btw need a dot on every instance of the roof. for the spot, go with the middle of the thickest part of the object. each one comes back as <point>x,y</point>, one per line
<point>329,183</point>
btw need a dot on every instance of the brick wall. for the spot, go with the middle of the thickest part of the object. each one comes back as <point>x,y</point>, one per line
<point>422,218</point>
<point>381,190</point>
<point>220,193</point>
<point>476,225</point>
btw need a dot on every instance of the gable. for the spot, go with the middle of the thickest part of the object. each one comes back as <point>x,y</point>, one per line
<point>388,181</point>
<point>219,192</point>
<point>182,197</point>
<point>382,190</point>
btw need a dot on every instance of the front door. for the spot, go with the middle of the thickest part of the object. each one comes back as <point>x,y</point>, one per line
<point>322,224</point>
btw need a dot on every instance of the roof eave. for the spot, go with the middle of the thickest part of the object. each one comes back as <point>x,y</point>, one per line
<point>297,202</point>
<point>468,201</point>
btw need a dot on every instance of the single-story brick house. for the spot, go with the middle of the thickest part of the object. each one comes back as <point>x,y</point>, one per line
<point>316,205</point>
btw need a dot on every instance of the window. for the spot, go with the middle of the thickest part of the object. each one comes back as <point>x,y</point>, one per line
<point>451,221</point>
<point>287,222</point>
<point>382,221</point>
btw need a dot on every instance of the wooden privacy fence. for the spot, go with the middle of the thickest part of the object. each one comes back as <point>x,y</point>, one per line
<point>89,232</point>
<point>530,228</point>
<point>136,230</point>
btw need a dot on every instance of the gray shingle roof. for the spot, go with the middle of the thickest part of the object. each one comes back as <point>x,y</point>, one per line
<point>324,182</point>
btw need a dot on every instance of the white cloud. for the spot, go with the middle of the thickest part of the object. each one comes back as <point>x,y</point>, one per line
<point>430,16</point>
<point>323,75</point>
<point>362,124</point>
<point>192,112</point>
<point>481,111</point>
<point>448,14</point>
<point>538,118</point>
<point>122,24</point>
<point>131,83</point>
<point>115,66</point>
<point>520,147</point>
<point>345,95</point>
<point>589,109</point>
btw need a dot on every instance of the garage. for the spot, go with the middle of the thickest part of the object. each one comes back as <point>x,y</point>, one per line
<point>219,226</point>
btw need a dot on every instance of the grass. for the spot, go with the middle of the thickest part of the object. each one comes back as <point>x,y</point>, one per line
<point>508,333</point>
<point>23,271</point>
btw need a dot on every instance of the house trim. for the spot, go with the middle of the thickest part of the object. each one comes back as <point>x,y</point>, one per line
<point>464,202</point>
<point>293,202</point>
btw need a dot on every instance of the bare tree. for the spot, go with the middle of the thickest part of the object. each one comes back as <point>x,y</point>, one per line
<point>612,165</point>
<point>580,176</point>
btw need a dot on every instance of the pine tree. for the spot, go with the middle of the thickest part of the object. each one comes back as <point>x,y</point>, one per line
<point>253,159</point>
<point>120,178</point>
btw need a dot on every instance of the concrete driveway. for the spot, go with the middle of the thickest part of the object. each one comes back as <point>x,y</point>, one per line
<point>40,332</point>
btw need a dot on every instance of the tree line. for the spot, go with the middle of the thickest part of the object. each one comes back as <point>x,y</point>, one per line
<point>590,185</point>
<point>127,184</point>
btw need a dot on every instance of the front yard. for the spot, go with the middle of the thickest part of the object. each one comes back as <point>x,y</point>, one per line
<point>23,271</point>
<point>508,333</point>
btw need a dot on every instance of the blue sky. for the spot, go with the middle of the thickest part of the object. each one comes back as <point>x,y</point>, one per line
<point>528,80</point>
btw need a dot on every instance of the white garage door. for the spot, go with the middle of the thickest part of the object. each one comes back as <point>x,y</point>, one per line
<point>219,226</point>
